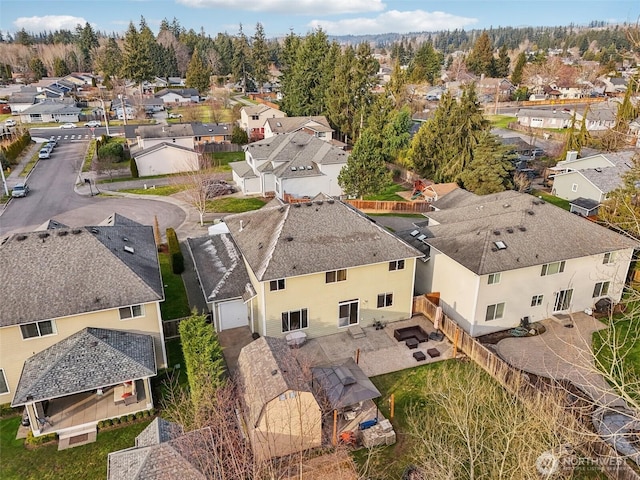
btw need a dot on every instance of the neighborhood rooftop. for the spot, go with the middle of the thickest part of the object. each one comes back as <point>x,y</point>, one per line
<point>508,231</point>
<point>284,240</point>
<point>92,262</point>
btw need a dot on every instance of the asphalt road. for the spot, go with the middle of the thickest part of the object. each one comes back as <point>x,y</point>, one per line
<point>52,194</point>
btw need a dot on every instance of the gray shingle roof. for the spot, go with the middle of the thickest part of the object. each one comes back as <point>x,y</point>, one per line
<point>88,359</point>
<point>187,457</point>
<point>207,129</point>
<point>268,368</point>
<point>534,232</point>
<point>242,169</point>
<point>317,123</point>
<point>183,92</point>
<point>343,384</point>
<point>77,270</point>
<point>220,268</point>
<point>298,146</point>
<point>285,240</point>
<point>544,113</point>
<point>160,146</point>
<point>606,179</point>
<point>175,130</point>
<point>51,107</point>
<point>158,431</point>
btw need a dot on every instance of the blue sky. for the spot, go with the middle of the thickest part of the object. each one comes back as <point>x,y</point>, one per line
<point>336,17</point>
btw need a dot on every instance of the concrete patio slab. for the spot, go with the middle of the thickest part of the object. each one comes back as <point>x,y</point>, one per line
<point>232,341</point>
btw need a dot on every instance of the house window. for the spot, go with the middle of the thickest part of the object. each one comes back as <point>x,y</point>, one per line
<point>348,313</point>
<point>552,268</point>
<point>282,397</point>
<point>38,329</point>
<point>609,257</point>
<point>396,265</point>
<point>295,320</point>
<point>255,117</point>
<point>494,312</point>
<point>4,387</point>
<point>131,312</point>
<point>601,289</point>
<point>385,300</point>
<point>276,284</point>
<point>563,300</point>
<point>536,300</point>
<point>292,394</point>
<point>574,187</point>
<point>494,278</point>
<point>336,276</point>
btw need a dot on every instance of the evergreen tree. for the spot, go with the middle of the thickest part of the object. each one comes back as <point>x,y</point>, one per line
<point>198,73</point>
<point>260,57</point>
<point>502,63</point>
<point>37,68</point>
<point>397,84</point>
<point>365,172</point>
<point>109,60</point>
<point>622,208</point>
<point>87,42</point>
<point>425,65</point>
<point>137,64</point>
<point>241,63</point>
<point>480,60</point>
<point>60,68</point>
<point>516,75</point>
<point>396,134</point>
<point>491,168</point>
<point>627,112</point>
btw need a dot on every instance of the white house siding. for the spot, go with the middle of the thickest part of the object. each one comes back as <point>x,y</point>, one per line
<point>231,314</point>
<point>166,161</point>
<point>517,287</point>
<point>170,98</point>
<point>310,186</point>
<point>186,142</point>
<point>563,187</point>
<point>247,186</point>
<point>268,182</point>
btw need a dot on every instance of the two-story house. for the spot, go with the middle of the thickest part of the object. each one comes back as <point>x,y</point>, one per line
<point>498,260</point>
<point>317,126</point>
<point>319,267</point>
<point>295,164</point>
<point>80,324</point>
<point>253,118</point>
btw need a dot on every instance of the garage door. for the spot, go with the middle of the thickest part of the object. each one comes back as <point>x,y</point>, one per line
<point>232,315</point>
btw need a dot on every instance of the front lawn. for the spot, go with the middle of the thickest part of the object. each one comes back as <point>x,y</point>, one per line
<point>389,194</point>
<point>201,113</point>
<point>163,190</point>
<point>501,121</point>
<point>234,205</point>
<point>47,463</point>
<point>552,199</point>
<point>176,304</point>
<point>222,159</point>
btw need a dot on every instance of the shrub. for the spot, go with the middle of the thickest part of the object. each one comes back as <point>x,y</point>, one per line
<point>177,260</point>
<point>131,417</point>
<point>138,415</point>
<point>134,168</point>
<point>14,149</point>
<point>112,151</point>
<point>123,419</point>
<point>101,424</point>
<point>115,421</point>
<point>6,410</point>
<point>108,422</point>
<point>152,411</point>
<point>41,440</point>
<point>145,414</point>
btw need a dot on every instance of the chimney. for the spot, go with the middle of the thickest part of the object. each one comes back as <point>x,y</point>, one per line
<point>571,155</point>
<point>240,225</point>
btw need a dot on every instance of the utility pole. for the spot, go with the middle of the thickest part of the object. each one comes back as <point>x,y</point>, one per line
<point>4,181</point>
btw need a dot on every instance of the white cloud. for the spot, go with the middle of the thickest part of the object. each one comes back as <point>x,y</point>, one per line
<point>48,22</point>
<point>302,7</point>
<point>395,21</point>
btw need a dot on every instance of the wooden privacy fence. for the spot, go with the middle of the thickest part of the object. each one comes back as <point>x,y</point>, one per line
<point>380,206</point>
<point>519,384</point>
<point>170,328</point>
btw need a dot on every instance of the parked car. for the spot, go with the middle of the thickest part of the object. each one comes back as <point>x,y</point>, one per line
<point>52,142</point>
<point>68,125</point>
<point>174,115</point>
<point>216,188</point>
<point>10,123</point>
<point>20,190</point>
<point>44,153</point>
<point>92,124</point>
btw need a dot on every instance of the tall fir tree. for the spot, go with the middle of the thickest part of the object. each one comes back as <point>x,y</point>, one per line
<point>503,63</point>
<point>109,60</point>
<point>518,69</point>
<point>491,168</point>
<point>241,62</point>
<point>260,57</point>
<point>425,65</point>
<point>137,64</point>
<point>365,172</point>
<point>198,73</point>
<point>37,68</point>
<point>480,60</point>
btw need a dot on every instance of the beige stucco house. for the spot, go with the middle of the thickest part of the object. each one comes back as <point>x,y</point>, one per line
<point>281,413</point>
<point>295,164</point>
<point>83,346</point>
<point>498,259</point>
<point>321,267</point>
<point>253,118</point>
<point>163,149</point>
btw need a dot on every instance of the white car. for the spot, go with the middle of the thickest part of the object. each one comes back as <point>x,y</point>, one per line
<point>10,123</point>
<point>174,115</point>
<point>68,125</point>
<point>92,124</point>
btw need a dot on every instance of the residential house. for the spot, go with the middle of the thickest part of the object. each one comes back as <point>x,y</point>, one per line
<point>295,164</point>
<point>599,116</point>
<point>281,413</point>
<point>84,348</point>
<point>51,111</point>
<point>584,207</point>
<point>152,105</point>
<point>500,260</point>
<point>320,267</point>
<point>163,450</point>
<point>22,100</point>
<point>223,278</point>
<point>317,126</point>
<point>79,79</point>
<point>253,118</point>
<point>491,88</point>
<point>211,132</point>
<point>178,96</point>
<point>591,177</point>
<point>163,149</point>
<point>614,86</point>
<point>544,118</point>
<point>122,107</point>
<point>569,90</point>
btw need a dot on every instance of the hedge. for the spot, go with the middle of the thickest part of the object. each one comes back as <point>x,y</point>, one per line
<point>14,149</point>
<point>134,168</point>
<point>177,260</point>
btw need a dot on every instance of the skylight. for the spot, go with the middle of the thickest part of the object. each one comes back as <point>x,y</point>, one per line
<point>422,237</point>
<point>500,245</point>
<point>415,232</point>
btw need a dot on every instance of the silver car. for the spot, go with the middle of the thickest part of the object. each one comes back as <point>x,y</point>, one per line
<point>20,190</point>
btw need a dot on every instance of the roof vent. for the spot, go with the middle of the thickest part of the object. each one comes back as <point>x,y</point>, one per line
<point>509,230</point>
<point>63,233</point>
<point>289,239</point>
<point>297,205</point>
<point>281,209</point>
<point>500,245</point>
<point>331,201</point>
<point>496,232</point>
<point>506,205</point>
<point>522,228</point>
<point>293,169</point>
<point>274,372</point>
<point>95,230</point>
<point>308,204</point>
<point>319,202</point>
<point>76,231</point>
<point>43,235</point>
<point>125,239</point>
<point>21,238</point>
<point>309,167</point>
<point>128,249</point>
<point>531,212</point>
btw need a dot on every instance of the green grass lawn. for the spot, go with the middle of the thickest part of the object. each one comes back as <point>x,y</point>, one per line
<point>389,194</point>
<point>558,202</point>
<point>47,463</point>
<point>234,205</point>
<point>221,159</point>
<point>501,121</point>
<point>176,304</point>
<point>163,190</point>
<point>201,113</point>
